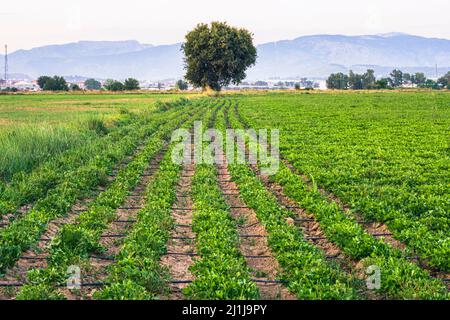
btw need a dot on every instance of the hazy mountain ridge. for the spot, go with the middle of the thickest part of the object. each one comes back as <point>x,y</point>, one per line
<point>308,56</point>
<point>319,55</point>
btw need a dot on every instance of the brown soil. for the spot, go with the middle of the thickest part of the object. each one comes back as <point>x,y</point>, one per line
<point>6,219</point>
<point>36,256</point>
<point>95,271</point>
<point>311,229</point>
<point>256,251</point>
<point>373,228</point>
<point>180,252</point>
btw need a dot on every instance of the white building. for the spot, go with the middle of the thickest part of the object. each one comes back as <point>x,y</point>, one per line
<point>25,86</point>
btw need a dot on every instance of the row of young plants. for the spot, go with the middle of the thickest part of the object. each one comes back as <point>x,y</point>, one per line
<point>27,188</point>
<point>220,272</point>
<point>25,231</point>
<point>385,156</point>
<point>305,269</point>
<point>425,235</point>
<point>400,279</point>
<point>137,274</point>
<point>76,242</point>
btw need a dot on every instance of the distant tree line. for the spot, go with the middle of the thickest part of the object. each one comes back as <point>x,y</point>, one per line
<point>396,79</point>
<point>9,89</point>
<point>57,83</point>
<point>129,84</point>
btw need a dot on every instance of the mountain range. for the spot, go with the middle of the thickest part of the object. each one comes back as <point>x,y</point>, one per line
<point>308,56</point>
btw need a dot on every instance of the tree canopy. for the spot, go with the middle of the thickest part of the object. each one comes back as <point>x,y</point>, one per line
<point>55,83</point>
<point>217,55</point>
<point>75,87</point>
<point>181,85</point>
<point>396,79</point>
<point>114,85</point>
<point>92,84</point>
<point>444,81</point>
<point>131,84</point>
<point>42,80</point>
<point>337,81</point>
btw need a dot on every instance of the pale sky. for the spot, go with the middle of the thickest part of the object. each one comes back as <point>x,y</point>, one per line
<point>31,23</point>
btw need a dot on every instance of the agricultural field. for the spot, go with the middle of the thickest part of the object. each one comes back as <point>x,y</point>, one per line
<point>94,206</point>
<point>36,127</point>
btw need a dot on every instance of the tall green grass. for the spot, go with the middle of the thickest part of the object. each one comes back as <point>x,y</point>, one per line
<point>26,146</point>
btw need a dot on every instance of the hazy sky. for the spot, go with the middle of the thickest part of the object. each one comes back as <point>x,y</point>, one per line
<point>31,23</point>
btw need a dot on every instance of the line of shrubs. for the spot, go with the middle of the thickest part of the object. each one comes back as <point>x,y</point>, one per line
<point>396,79</point>
<point>57,83</point>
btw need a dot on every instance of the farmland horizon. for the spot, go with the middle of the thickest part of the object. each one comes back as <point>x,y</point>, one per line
<point>280,150</point>
<point>312,56</point>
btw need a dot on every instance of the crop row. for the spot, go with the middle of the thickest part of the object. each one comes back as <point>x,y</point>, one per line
<point>25,231</point>
<point>221,271</point>
<point>305,268</point>
<point>77,241</point>
<point>388,163</point>
<point>400,279</point>
<point>27,188</point>
<point>136,273</point>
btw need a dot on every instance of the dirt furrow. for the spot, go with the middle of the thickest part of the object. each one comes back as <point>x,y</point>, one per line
<point>310,228</point>
<point>96,269</point>
<point>7,219</point>
<point>373,228</point>
<point>181,247</point>
<point>253,239</point>
<point>36,257</point>
<point>377,229</point>
<point>311,231</point>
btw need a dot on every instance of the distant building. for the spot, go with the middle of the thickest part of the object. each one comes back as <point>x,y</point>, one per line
<point>25,86</point>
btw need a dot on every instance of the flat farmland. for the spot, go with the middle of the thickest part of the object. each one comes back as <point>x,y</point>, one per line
<point>58,108</point>
<point>358,208</point>
<point>34,127</point>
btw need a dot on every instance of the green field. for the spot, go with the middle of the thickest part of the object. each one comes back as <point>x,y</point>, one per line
<point>36,127</point>
<point>87,180</point>
<point>385,155</point>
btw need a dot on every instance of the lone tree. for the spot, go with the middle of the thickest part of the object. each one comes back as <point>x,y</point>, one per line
<point>217,55</point>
